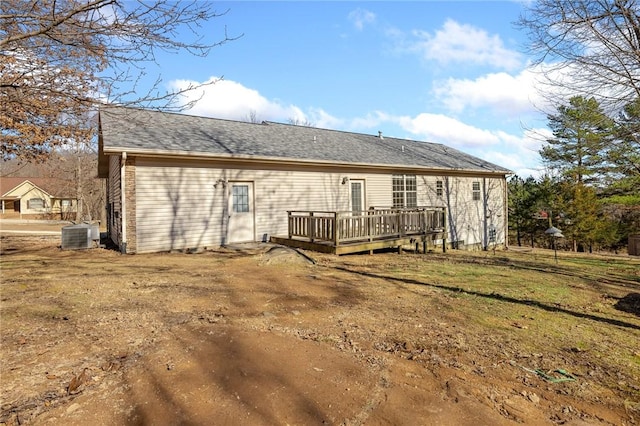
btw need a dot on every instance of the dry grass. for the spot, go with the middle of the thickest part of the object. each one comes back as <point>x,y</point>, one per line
<point>487,318</point>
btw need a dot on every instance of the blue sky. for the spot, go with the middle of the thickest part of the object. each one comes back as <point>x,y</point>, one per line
<point>448,72</point>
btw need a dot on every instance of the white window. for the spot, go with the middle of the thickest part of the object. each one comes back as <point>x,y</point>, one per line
<point>439,188</point>
<point>357,196</point>
<point>240,198</point>
<point>476,191</point>
<point>405,191</point>
<point>65,204</point>
<point>35,204</point>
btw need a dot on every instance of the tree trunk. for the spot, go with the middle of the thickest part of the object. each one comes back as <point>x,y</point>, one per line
<point>78,185</point>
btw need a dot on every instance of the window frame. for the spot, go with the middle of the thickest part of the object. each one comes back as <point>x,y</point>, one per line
<point>240,199</point>
<point>40,201</point>
<point>404,191</point>
<point>475,191</point>
<point>357,198</point>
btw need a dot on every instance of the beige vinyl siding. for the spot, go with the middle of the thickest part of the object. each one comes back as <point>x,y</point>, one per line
<point>497,216</point>
<point>179,207</point>
<point>70,206</point>
<point>427,191</point>
<point>277,192</point>
<point>22,190</point>
<point>378,190</point>
<point>32,199</point>
<point>466,216</point>
<point>41,202</point>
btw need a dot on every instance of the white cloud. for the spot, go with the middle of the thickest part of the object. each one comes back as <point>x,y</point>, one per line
<point>361,17</point>
<point>442,129</point>
<point>509,160</point>
<point>533,139</point>
<point>503,93</point>
<point>370,120</point>
<point>558,82</point>
<point>512,161</point>
<point>520,153</point>
<point>322,119</point>
<point>463,43</point>
<point>231,100</point>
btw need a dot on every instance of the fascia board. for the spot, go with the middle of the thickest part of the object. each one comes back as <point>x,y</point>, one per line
<point>289,162</point>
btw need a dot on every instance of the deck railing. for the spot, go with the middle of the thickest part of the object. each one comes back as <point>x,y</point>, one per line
<point>377,223</point>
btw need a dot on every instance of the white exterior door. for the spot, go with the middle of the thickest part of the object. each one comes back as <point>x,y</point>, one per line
<point>357,195</point>
<point>241,227</point>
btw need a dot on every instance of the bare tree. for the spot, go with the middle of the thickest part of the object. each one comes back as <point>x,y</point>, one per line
<point>252,117</point>
<point>587,48</point>
<point>301,122</point>
<point>70,172</point>
<point>60,58</point>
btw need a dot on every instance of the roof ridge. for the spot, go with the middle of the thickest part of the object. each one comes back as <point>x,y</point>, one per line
<point>350,132</point>
<point>169,133</point>
<point>263,122</point>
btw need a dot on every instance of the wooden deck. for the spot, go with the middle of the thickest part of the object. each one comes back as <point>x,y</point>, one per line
<point>353,232</point>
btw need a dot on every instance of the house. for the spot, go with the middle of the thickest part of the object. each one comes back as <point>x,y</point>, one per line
<point>180,182</point>
<point>37,198</point>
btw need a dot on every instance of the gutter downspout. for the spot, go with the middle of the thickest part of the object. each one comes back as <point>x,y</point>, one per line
<point>123,205</point>
<point>506,213</point>
<point>485,215</point>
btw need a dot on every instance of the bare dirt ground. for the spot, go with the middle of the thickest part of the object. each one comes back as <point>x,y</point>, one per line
<point>262,335</point>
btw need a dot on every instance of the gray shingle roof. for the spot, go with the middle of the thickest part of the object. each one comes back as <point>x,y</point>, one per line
<point>161,133</point>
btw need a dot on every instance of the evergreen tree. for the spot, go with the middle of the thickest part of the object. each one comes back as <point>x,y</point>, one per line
<point>549,204</point>
<point>581,131</point>
<point>523,207</point>
<point>623,154</point>
<point>579,214</point>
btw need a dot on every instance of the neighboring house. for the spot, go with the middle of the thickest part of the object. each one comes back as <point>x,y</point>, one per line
<point>178,182</point>
<point>37,198</point>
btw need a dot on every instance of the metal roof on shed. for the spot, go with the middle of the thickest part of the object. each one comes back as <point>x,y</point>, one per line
<point>146,132</point>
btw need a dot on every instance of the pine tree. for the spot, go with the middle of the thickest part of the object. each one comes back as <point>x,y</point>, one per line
<point>523,207</point>
<point>581,131</point>
<point>580,212</point>
<point>623,154</point>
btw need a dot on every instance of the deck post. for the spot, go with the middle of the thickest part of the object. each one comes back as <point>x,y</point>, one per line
<point>346,232</point>
<point>370,227</point>
<point>424,232</point>
<point>336,230</point>
<point>444,231</point>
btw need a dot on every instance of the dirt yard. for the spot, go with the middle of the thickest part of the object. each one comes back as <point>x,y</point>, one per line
<point>264,335</point>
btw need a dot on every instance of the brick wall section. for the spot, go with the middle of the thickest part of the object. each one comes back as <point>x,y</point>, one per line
<point>130,194</point>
